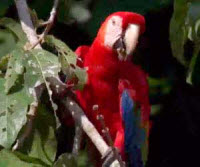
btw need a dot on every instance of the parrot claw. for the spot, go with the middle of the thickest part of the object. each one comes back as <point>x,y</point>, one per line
<point>109,157</point>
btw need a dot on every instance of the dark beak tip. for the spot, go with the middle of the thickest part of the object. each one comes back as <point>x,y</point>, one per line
<point>119,44</point>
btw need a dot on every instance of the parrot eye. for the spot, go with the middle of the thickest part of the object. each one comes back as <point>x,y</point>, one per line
<point>113,22</point>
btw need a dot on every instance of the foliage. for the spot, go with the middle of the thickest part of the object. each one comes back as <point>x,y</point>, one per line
<point>41,144</point>
<point>68,61</point>
<point>8,158</point>
<point>22,72</point>
<point>184,28</point>
<point>13,109</point>
<point>68,160</point>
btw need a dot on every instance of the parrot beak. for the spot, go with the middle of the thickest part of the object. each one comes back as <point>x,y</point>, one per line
<point>127,43</point>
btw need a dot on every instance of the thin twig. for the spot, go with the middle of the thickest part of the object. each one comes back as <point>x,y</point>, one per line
<point>88,127</point>
<point>77,140</point>
<point>76,111</point>
<point>107,135</point>
<point>28,127</point>
<point>26,23</point>
<point>48,24</point>
<point>81,121</point>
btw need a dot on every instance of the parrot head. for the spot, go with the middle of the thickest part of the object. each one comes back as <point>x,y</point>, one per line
<point>120,32</point>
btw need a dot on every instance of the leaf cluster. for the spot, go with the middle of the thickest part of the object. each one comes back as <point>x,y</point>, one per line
<point>185,37</point>
<point>24,77</point>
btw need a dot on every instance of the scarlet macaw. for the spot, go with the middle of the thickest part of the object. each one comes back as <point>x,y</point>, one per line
<point>117,86</point>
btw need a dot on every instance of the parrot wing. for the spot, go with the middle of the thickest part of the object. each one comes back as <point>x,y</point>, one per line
<point>135,134</point>
<point>81,51</point>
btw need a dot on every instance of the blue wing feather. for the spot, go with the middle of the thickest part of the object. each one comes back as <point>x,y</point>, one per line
<point>134,135</point>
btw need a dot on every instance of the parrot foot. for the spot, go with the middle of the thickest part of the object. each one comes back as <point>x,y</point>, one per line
<point>110,157</point>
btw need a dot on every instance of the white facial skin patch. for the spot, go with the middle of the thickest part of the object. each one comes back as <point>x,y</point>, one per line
<point>113,31</point>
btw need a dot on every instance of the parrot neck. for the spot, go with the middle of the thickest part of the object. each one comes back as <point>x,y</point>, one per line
<point>101,60</point>
<point>103,54</point>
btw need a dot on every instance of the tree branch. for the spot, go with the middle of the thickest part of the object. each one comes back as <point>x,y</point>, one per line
<point>86,125</point>
<point>73,107</point>
<point>106,132</point>
<point>26,23</point>
<point>48,24</point>
<point>110,142</point>
<point>88,128</point>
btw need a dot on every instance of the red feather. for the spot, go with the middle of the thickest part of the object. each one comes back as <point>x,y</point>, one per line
<point>105,73</point>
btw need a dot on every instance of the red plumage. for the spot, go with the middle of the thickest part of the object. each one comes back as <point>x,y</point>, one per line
<point>107,77</point>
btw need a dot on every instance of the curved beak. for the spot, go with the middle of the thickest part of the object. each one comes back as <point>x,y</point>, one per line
<point>127,43</point>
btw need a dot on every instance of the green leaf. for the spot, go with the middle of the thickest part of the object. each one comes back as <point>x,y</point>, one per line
<point>193,76</point>
<point>184,26</point>
<point>82,77</point>
<point>30,160</point>
<point>68,160</point>
<point>68,57</point>
<point>39,65</point>
<point>178,34</point>
<point>15,69</point>
<point>68,61</point>
<point>83,159</point>
<point>9,159</point>
<point>42,143</point>
<point>62,48</point>
<point>7,42</point>
<point>15,28</point>
<point>13,109</point>
<point>65,159</point>
<point>193,21</point>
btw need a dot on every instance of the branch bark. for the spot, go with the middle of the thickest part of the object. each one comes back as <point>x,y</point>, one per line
<point>110,142</point>
<point>73,107</point>
<point>26,23</point>
<point>86,125</point>
<point>88,128</point>
<point>48,24</point>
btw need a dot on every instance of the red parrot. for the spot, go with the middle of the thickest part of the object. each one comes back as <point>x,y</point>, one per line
<point>117,86</point>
